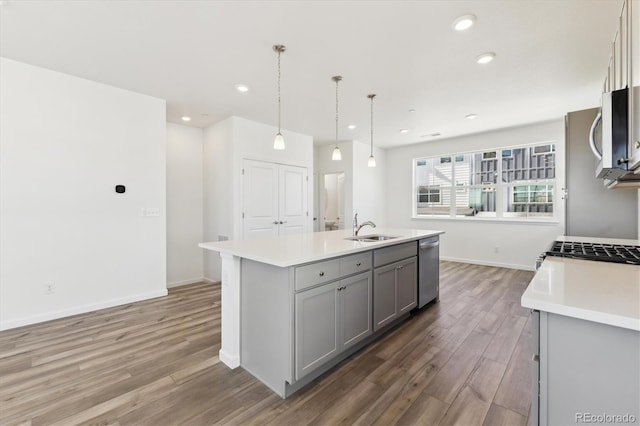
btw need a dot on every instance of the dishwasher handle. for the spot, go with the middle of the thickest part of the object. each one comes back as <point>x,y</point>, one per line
<point>427,245</point>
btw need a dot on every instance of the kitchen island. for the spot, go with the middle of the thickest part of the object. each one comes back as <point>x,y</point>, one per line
<point>294,306</point>
<point>585,339</point>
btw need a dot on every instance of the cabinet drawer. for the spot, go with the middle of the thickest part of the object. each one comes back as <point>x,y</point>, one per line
<point>355,263</point>
<point>392,254</point>
<point>316,273</point>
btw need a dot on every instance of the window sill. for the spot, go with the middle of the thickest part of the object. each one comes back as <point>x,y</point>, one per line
<point>518,221</point>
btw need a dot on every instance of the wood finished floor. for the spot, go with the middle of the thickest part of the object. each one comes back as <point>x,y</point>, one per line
<point>462,361</point>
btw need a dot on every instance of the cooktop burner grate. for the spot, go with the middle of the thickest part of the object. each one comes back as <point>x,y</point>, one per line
<point>594,251</point>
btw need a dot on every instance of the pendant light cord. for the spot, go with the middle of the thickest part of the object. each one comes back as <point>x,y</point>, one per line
<point>372,96</point>
<point>337,80</point>
<point>279,51</point>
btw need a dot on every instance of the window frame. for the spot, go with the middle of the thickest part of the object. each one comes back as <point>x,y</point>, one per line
<point>504,199</point>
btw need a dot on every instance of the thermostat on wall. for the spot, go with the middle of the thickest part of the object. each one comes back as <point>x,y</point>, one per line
<point>120,189</point>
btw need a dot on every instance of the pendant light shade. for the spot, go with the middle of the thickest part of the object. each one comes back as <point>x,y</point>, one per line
<point>278,141</point>
<point>372,159</point>
<point>337,154</point>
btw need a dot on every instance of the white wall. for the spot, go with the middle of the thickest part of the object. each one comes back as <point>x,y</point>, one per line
<point>226,144</point>
<point>184,205</point>
<point>323,164</point>
<point>218,190</point>
<point>518,244</point>
<point>65,143</point>
<point>370,185</point>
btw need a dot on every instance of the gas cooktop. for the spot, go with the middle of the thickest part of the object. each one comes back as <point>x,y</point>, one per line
<point>596,251</point>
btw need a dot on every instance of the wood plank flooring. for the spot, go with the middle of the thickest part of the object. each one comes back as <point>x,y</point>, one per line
<point>462,361</point>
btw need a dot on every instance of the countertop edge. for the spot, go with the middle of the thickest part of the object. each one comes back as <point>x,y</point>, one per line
<point>588,315</point>
<point>301,261</point>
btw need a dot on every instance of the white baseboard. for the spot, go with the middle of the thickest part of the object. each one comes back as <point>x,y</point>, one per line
<point>187,282</point>
<point>485,263</point>
<point>14,323</point>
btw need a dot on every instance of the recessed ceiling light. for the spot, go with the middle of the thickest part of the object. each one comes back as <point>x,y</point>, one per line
<point>242,88</point>
<point>404,131</point>
<point>185,118</point>
<point>485,58</point>
<point>412,110</point>
<point>471,116</point>
<point>351,126</point>
<point>430,135</point>
<point>464,22</point>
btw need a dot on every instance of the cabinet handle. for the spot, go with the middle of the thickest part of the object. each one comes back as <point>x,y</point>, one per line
<point>535,358</point>
<point>275,222</point>
<point>358,264</point>
<point>399,266</point>
<point>282,223</point>
<point>321,273</point>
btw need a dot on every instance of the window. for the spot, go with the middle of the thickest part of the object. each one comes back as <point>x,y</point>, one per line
<point>515,182</point>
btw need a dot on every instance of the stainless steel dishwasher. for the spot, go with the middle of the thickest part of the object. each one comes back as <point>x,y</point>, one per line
<point>428,270</point>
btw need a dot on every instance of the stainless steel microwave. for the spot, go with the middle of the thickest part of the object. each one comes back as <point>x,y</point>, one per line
<point>614,122</point>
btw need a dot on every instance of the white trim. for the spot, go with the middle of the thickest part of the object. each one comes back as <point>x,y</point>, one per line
<point>210,281</point>
<point>516,221</point>
<point>189,281</point>
<point>6,325</point>
<point>495,264</point>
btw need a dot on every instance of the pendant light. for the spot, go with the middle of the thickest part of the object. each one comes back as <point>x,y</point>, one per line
<point>278,141</point>
<point>372,159</point>
<point>337,155</point>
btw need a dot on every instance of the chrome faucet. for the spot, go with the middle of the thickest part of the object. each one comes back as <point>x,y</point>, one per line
<point>368,222</point>
<point>355,223</point>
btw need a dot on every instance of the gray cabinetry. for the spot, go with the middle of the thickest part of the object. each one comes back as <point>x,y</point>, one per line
<point>331,317</point>
<point>583,368</point>
<point>297,322</point>
<point>355,309</point>
<point>406,285</point>
<point>384,295</point>
<point>316,327</point>
<point>394,284</point>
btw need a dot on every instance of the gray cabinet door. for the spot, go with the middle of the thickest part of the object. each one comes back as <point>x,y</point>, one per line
<point>355,308</point>
<point>384,296</point>
<point>406,285</point>
<point>316,327</point>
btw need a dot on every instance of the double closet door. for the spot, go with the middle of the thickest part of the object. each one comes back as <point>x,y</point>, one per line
<point>274,199</point>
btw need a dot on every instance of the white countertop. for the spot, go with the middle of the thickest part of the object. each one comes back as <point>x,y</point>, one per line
<point>603,292</point>
<point>291,250</point>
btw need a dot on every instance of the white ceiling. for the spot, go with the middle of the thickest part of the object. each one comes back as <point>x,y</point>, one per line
<point>552,57</point>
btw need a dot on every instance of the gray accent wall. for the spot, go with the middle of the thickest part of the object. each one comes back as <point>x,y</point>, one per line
<point>591,209</point>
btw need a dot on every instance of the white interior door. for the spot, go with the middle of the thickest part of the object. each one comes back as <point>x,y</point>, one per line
<point>260,200</point>
<point>293,208</point>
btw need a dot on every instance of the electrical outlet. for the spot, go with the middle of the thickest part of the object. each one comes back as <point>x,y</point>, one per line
<point>496,250</point>
<point>150,212</point>
<point>49,287</point>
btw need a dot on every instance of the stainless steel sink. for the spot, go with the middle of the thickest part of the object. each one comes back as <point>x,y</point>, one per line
<point>372,238</point>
